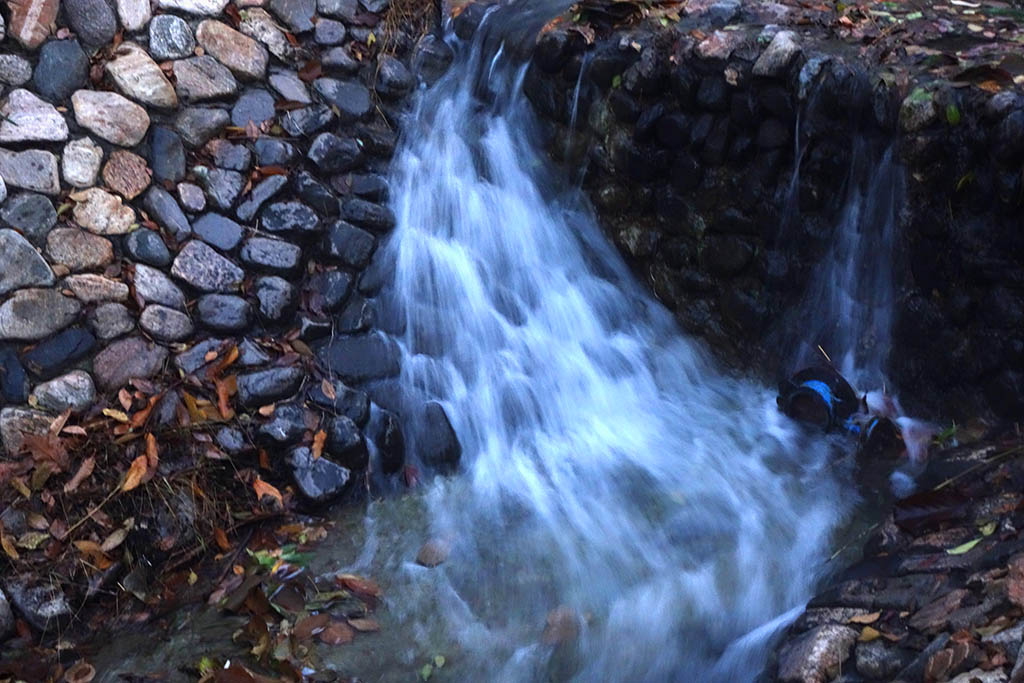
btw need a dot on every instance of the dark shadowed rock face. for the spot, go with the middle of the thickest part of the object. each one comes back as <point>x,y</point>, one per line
<point>318,479</point>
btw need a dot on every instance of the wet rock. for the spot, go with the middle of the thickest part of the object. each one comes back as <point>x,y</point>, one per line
<point>338,59</point>
<point>218,231</point>
<point>126,173</point>
<point>231,440</point>
<point>191,197</point>
<point>368,215</point>
<point>20,264</point>
<point>134,14</point>
<point>390,443</point>
<point>6,618</point>
<point>437,443</point>
<point>165,211</point>
<point>726,255</point>
<point>369,186</point>
<point>222,186</point>
<point>136,75</point>
<point>90,288</point>
<point>261,194</point>
<point>348,244</point>
<point>346,10</point>
<point>31,214</point>
<point>273,152</point>
<point>276,296</point>
<point>74,390</point>
<point>275,256</point>
<point>779,54</point>
<point>26,118</point>
<point>290,219</point>
<point>31,20</point>
<point>251,354</point>
<point>153,286</point>
<point>917,111</point>
<point>197,125</point>
<point>198,7</point>
<point>257,23</point>
<point>165,324</point>
<point>351,403</point>
<point>818,655</point>
<point>360,358</point>
<point>44,607</point>
<point>223,312</point>
<point>203,78</point>
<point>126,359</point>
<point>203,268</point>
<point>112,117</point>
<point>170,38</point>
<point>331,289</point>
<point>244,56</point>
<point>92,20</point>
<point>255,105</point>
<point>13,380</point>
<point>298,14</point>
<point>333,154</point>
<point>315,193</point>
<point>33,169</point>
<point>288,84</point>
<point>14,423</point>
<point>307,121</point>
<point>394,80</point>
<point>267,386</point>
<point>229,156</point>
<point>63,68</point>
<point>312,328</point>
<point>285,427</point>
<point>432,58</point>
<point>167,155</point>
<point>1008,137</point>
<point>317,479</point>
<point>351,98</point>
<point>81,162</point>
<point>15,70</point>
<point>32,314</point>
<point>878,660</point>
<point>78,250</point>
<point>345,443</point>
<point>109,321</point>
<point>329,32</point>
<point>102,213</point>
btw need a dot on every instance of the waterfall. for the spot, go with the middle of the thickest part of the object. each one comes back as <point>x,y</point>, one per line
<point>658,514</point>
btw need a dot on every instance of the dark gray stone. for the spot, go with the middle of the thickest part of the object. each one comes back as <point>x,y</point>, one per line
<point>110,321</point>
<point>163,208</point>
<point>6,618</point>
<point>318,480</point>
<point>290,219</point>
<point>436,441</point>
<point>21,265</point>
<point>360,358</point>
<point>193,359</point>
<point>230,156</point>
<point>315,193</point>
<point>368,215</point>
<point>338,59</point>
<point>433,57</point>
<point>271,255</point>
<point>231,440</point>
<point>307,121</point>
<point>390,442</point>
<point>255,105</point>
<point>346,444</point>
<point>54,355</point>
<point>197,125</point>
<point>146,246</point>
<point>166,155</point>
<point>202,267</point>
<point>298,14</point>
<point>267,386</point>
<point>126,359</point>
<point>377,140</point>
<point>348,244</point>
<point>726,255</point>
<point>31,214</point>
<point>359,315</point>
<point>333,154</point>
<point>312,328</point>
<point>329,32</point>
<point>218,231</point>
<point>92,20</point>
<point>44,607</point>
<point>63,68</point>
<point>265,191</point>
<point>285,427</point>
<point>394,80</point>
<point>350,97</point>
<point>330,289</point>
<point>166,324</point>
<point>222,186</point>
<point>274,152</point>
<point>224,313</point>
<point>170,38</point>
<point>276,296</point>
<point>13,380</point>
<point>351,403</point>
<point>370,186</point>
<point>346,10</point>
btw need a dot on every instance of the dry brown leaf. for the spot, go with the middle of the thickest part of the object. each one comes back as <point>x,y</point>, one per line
<point>865,618</point>
<point>309,626</point>
<point>267,410</point>
<point>319,439</point>
<point>359,585</point>
<point>94,553</point>
<point>135,473</point>
<point>364,625</point>
<point>327,387</point>
<point>115,539</point>
<point>222,539</point>
<point>262,488</point>
<point>83,671</point>
<point>337,633</point>
<point>869,634</point>
<point>8,546</point>
<point>84,471</point>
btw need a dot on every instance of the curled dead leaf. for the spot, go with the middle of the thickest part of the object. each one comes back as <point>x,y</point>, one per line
<point>136,472</point>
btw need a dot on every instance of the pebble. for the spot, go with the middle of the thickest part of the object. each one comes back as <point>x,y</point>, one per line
<point>20,264</point>
<point>92,20</point>
<point>15,422</point>
<point>267,386</point>
<point>352,99</point>
<point>170,38</point>
<point>192,197</point>
<point>193,359</point>
<point>230,156</point>
<point>136,75</point>
<point>368,215</point>
<point>329,32</point>
<point>258,24</point>
<point>109,321</point>
<point>165,211</point>
<point>102,213</point>
<point>14,383</point>
<point>166,154</point>
<point>275,256</point>
<point>134,14</point>
<point>346,444</point>
<point>307,121</point>
<point>298,14</point>
<point>274,152</point>
<point>202,267</point>
<point>146,246</point>
<point>254,105</point>
<point>33,169</point>
<point>24,117</point>
<point>315,193</point>
<point>53,355</point>
<point>200,7</point>
<point>127,359</point>
<point>349,245</point>
<point>290,219</point>
<point>78,250</point>
<point>203,78</point>
<point>394,80</point>
<point>114,118</point>
<point>353,404</point>
<point>15,70</point>
<point>90,288</point>
<point>346,10</point>
<point>74,390</point>
<point>165,324</point>
<point>126,173</point>
<point>360,358</point>
<point>779,54</point>
<point>276,297</point>
<point>196,125</point>
<point>260,194</point>
<point>33,314</point>
<point>318,480</point>
<point>44,607</point>
<point>339,59</point>
<point>331,288</point>
<point>246,58</point>
<point>81,162</point>
<point>438,444</point>
<point>289,86</point>
<point>153,286</point>
<point>333,154</point>
<point>63,68</point>
<point>31,214</point>
<point>222,186</point>
<point>224,313</point>
<point>285,427</point>
<point>218,231</point>
<point>31,21</point>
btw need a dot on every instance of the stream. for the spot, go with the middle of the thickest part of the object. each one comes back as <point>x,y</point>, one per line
<point>615,481</point>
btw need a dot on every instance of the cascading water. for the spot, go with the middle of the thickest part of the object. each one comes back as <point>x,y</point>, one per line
<point>612,476</point>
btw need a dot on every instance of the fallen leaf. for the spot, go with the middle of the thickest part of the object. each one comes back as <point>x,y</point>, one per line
<point>115,539</point>
<point>868,634</point>
<point>118,415</point>
<point>865,618</point>
<point>82,672</point>
<point>30,540</point>
<point>262,488</point>
<point>94,554</point>
<point>84,471</point>
<point>8,546</point>
<point>319,439</point>
<point>364,625</point>
<point>222,539</point>
<point>359,585</point>
<point>337,633</point>
<point>136,472</point>
<point>310,626</point>
<point>964,547</point>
